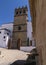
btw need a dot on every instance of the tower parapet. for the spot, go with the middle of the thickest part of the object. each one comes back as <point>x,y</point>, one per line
<point>21,11</point>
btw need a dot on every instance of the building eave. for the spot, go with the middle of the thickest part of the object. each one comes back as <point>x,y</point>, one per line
<point>5,29</point>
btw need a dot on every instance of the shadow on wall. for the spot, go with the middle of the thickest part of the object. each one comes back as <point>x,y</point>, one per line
<point>31,60</point>
<point>19,62</point>
<point>22,62</point>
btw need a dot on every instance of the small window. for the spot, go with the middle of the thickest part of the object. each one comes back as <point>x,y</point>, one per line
<point>16,12</point>
<point>19,28</point>
<point>24,11</point>
<point>0,32</point>
<point>20,12</point>
<point>7,33</point>
<point>4,37</point>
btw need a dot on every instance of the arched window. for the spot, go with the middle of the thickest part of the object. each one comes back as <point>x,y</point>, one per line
<point>20,12</point>
<point>16,13</point>
<point>19,27</point>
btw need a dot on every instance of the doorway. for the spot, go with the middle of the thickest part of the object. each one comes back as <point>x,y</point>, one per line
<point>18,43</point>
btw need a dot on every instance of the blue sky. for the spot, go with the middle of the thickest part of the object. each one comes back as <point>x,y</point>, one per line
<point>7,8</point>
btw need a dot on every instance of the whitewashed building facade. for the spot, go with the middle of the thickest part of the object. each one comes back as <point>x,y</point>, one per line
<point>6,33</point>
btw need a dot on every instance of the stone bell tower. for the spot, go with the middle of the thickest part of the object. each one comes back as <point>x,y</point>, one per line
<point>20,28</point>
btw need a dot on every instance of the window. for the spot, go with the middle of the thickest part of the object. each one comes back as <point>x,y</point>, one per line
<point>19,28</point>
<point>0,32</point>
<point>4,37</point>
<point>16,12</point>
<point>20,12</point>
<point>24,11</point>
<point>7,33</point>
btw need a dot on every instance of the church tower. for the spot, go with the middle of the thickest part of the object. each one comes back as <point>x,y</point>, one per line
<point>20,28</point>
